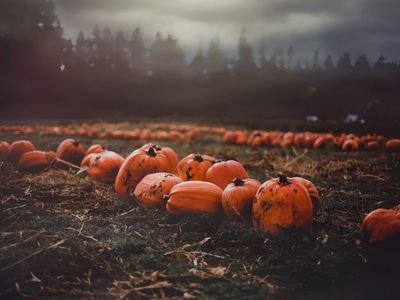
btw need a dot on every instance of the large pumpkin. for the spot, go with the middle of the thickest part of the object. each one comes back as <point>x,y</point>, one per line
<point>152,188</point>
<point>168,152</point>
<point>36,161</point>
<point>104,166</point>
<point>222,173</point>
<point>71,151</point>
<point>194,166</point>
<point>282,203</point>
<point>18,148</point>
<point>4,150</point>
<point>137,165</point>
<point>382,225</point>
<point>238,197</point>
<point>194,197</point>
<point>393,144</point>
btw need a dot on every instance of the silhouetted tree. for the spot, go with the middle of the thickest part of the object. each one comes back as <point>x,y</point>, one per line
<point>290,53</point>
<point>344,63</point>
<point>316,65</point>
<point>245,64</point>
<point>328,64</point>
<point>198,65</point>
<point>215,59</point>
<point>362,65</point>
<point>138,51</point>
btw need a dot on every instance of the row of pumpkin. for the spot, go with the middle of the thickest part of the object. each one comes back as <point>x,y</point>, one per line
<point>155,178</point>
<point>345,142</point>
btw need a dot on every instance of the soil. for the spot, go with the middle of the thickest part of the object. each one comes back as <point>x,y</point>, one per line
<point>63,235</point>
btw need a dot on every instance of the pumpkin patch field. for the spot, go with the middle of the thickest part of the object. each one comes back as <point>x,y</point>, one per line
<point>184,211</point>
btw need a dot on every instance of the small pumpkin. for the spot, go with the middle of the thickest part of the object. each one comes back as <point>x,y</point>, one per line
<point>393,144</point>
<point>71,151</point>
<point>194,166</point>
<point>104,166</point>
<point>96,148</point>
<point>382,225</point>
<point>222,173</point>
<point>199,197</point>
<point>36,161</point>
<point>282,203</point>
<point>137,165</point>
<point>86,160</point>
<point>238,197</point>
<point>373,145</point>
<point>18,148</point>
<point>4,150</point>
<point>350,144</point>
<point>152,188</point>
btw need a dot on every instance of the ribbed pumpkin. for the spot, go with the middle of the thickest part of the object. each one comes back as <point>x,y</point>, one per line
<point>393,144</point>
<point>96,148</point>
<point>194,197</point>
<point>167,151</point>
<point>4,150</point>
<point>350,144</point>
<point>194,166</point>
<point>311,189</point>
<point>152,188</point>
<point>18,148</point>
<point>373,145</point>
<point>222,173</point>
<point>36,161</point>
<point>137,165</point>
<point>104,166</point>
<point>238,197</point>
<point>281,203</point>
<point>71,151</point>
<point>382,225</point>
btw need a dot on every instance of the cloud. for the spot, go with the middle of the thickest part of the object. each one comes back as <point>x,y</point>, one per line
<point>358,26</point>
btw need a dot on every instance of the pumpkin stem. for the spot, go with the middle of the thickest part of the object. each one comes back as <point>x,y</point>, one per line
<point>198,158</point>
<point>283,179</point>
<point>165,198</point>
<point>151,152</point>
<point>238,182</point>
<point>76,143</point>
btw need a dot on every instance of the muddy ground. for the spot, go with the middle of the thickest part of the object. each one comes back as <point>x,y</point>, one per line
<point>68,236</point>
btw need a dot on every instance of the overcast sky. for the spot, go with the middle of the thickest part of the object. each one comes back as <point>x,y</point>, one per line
<point>334,26</point>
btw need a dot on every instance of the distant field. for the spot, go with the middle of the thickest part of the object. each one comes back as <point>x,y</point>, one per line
<point>66,235</point>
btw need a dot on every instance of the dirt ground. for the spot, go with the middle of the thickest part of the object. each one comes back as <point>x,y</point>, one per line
<point>62,235</point>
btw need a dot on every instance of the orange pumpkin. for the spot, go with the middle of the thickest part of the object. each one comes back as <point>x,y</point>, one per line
<point>382,225</point>
<point>168,152</point>
<point>194,166</point>
<point>86,160</point>
<point>350,144</point>
<point>71,151</point>
<point>373,145</point>
<point>104,166</point>
<point>96,148</point>
<point>151,189</point>
<point>4,150</point>
<point>223,172</point>
<point>393,144</point>
<point>238,197</point>
<point>36,161</point>
<point>229,137</point>
<point>137,165</point>
<point>282,203</point>
<point>18,148</point>
<point>194,197</point>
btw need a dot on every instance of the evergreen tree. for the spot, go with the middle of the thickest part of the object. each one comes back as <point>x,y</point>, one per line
<point>328,64</point>
<point>245,64</point>
<point>215,58</point>
<point>198,64</point>
<point>362,65</point>
<point>138,50</point>
<point>344,63</point>
<point>316,65</point>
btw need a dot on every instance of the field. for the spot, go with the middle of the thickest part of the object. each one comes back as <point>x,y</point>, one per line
<point>67,235</point>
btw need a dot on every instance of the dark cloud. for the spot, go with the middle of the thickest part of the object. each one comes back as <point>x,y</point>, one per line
<point>358,26</point>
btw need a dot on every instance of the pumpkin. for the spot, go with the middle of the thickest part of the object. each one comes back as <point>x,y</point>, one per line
<point>311,189</point>
<point>18,148</point>
<point>152,188</point>
<point>319,142</point>
<point>382,225</point>
<point>229,137</point>
<point>36,161</point>
<point>373,145</point>
<point>350,144</point>
<point>137,165</point>
<point>393,145</point>
<point>96,148</point>
<point>194,197</point>
<point>282,203</point>
<point>104,166</point>
<point>238,197</point>
<point>194,166</point>
<point>4,150</point>
<point>86,160</point>
<point>168,152</point>
<point>223,172</point>
<point>71,151</point>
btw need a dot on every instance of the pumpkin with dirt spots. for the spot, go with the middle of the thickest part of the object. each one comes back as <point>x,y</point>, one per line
<point>137,165</point>
<point>223,172</point>
<point>152,188</point>
<point>104,166</point>
<point>71,151</point>
<point>194,166</point>
<point>282,203</point>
